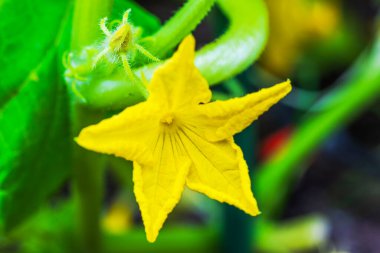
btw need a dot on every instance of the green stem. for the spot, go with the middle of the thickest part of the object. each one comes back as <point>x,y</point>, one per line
<point>88,169</point>
<point>88,195</point>
<point>240,46</point>
<point>180,25</point>
<point>358,90</point>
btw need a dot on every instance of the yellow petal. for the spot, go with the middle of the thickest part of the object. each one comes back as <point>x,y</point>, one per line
<point>128,134</point>
<point>178,82</point>
<point>219,171</point>
<point>158,188</point>
<point>222,119</point>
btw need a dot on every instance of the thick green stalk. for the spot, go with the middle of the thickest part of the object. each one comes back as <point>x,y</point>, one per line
<point>240,46</point>
<point>358,90</point>
<point>88,167</point>
<point>180,25</point>
<point>88,188</point>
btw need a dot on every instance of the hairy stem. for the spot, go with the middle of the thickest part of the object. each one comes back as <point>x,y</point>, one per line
<point>180,25</point>
<point>237,48</point>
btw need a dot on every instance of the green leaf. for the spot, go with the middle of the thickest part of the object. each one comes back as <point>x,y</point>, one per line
<point>34,121</point>
<point>27,31</point>
<point>34,145</point>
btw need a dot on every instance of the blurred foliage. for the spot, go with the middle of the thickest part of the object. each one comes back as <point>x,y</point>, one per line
<point>300,234</point>
<point>295,24</point>
<point>352,95</point>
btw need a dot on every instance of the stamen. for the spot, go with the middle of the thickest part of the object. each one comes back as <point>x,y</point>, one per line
<point>167,119</point>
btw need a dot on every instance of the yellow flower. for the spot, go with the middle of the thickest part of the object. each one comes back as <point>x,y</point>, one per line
<point>178,138</point>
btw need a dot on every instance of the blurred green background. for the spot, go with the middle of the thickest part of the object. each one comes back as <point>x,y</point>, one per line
<point>314,157</point>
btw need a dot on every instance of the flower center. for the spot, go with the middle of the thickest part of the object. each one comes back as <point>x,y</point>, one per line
<point>167,118</point>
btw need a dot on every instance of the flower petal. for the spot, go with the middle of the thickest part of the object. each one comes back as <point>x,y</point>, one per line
<point>178,82</point>
<point>128,134</point>
<point>222,119</point>
<point>219,171</point>
<point>158,188</point>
